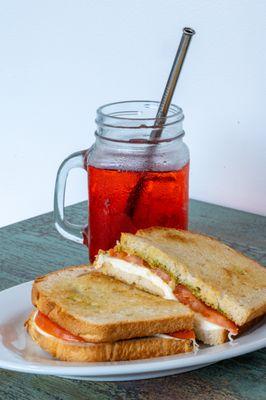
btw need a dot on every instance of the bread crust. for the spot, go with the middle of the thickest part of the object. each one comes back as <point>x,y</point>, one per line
<point>196,261</point>
<point>91,331</point>
<point>121,350</point>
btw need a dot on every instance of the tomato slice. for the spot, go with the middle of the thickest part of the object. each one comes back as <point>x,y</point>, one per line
<point>117,254</point>
<point>185,296</point>
<point>137,260</point>
<point>162,274</point>
<point>127,257</point>
<point>185,334</point>
<point>50,327</point>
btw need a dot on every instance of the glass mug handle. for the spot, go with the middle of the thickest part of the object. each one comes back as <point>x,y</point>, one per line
<point>65,228</point>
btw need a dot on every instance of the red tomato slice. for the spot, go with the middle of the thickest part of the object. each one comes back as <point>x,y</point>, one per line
<point>50,327</point>
<point>186,334</point>
<point>186,297</point>
<point>117,254</point>
<point>162,274</point>
<point>134,259</point>
<point>137,260</point>
<point>127,257</point>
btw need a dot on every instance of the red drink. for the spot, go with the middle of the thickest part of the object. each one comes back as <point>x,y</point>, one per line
<point>123,195</point>
<point>162,200</point>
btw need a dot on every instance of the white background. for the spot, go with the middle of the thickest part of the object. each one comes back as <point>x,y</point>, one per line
<point>61,59</point>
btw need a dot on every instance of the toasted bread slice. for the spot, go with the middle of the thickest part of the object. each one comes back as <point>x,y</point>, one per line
<point>99,308</point>
<point>223,278</point>
<point>131,349</point>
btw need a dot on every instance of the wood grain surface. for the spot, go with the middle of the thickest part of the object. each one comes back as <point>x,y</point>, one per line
<point>33,247</point>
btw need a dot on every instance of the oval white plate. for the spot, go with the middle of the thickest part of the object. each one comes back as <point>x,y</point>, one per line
<point>19,353</point>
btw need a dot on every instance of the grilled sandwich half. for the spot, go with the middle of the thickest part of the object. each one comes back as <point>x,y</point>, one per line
<point>83,315</point>
<point>225,289</point>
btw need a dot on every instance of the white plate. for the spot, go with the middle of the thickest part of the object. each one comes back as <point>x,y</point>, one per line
<point>19,353</point>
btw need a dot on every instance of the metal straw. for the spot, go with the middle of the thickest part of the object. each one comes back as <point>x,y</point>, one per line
<point>161,115</point>
<point>171,83</point>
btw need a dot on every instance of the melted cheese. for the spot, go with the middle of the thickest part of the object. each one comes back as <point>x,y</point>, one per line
<point>165,336</point>
<point>137,271</point>
<point>205,325</point>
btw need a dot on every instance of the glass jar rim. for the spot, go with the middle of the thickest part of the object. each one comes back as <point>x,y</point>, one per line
<point>124,114</point>
<point>138,142</point>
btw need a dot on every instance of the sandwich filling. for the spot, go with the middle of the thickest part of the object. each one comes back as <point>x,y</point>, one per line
<point>166,286</point>
<point>51,328</point>
<point>48,327</point>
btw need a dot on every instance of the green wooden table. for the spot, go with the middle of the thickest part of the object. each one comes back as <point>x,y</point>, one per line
<point>33,247</point>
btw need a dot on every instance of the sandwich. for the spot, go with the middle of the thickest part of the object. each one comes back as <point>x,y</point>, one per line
<point>85,316</point>
<point>225,289</point>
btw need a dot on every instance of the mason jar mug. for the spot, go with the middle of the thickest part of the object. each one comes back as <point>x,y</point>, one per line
<point>134,181</point>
